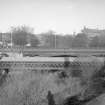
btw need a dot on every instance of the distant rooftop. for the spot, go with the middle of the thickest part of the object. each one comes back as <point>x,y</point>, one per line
<point>93,32</point>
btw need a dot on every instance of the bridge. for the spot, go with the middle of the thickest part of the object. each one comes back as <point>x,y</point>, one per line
<point>48,63</point>
<point>60,60</point>
<point>56,52</point>
<point>33,63</point>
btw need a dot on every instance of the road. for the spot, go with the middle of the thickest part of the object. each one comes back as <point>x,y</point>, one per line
<point>56,52</point>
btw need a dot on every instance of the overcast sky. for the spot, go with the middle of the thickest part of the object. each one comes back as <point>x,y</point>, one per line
<point>62,16</point>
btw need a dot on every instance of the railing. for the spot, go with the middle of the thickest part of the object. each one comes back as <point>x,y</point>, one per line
<point>32,65</point>
<point>45,65</point>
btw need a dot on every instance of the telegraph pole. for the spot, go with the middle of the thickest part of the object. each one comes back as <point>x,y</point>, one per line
<point>2,42</point>
<point>55,41</point>
<point>11,41</point>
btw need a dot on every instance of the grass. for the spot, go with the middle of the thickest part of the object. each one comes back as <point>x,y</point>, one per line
<point>30,87</point>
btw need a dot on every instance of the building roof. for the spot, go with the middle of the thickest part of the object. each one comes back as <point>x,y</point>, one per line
<point>93,32</point>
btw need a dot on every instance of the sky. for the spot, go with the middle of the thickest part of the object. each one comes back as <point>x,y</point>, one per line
<point>61,16</point>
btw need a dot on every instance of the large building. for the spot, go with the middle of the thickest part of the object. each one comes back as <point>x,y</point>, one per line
<point>93,32</point>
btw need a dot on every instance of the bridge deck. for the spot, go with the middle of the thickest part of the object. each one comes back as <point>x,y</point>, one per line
<point>51,52</point>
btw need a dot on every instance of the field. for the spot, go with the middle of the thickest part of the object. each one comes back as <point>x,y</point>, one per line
<point>31,87</point>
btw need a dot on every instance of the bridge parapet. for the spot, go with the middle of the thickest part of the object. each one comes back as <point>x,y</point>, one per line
<point>46,65</point>
<point>51,52</point>
<point>33,65</point>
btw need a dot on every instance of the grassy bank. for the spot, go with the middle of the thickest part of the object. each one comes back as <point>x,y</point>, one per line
<point>31,87</point>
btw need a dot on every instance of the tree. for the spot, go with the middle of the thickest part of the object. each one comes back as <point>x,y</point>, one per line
<point>80,41</point>
<point>102,41</point>
<point>34,41</point>
<point>94,42</point>
<point>64,41</point>
<point>49,39</point>
<point>20,35</point>
<point>53,40</point>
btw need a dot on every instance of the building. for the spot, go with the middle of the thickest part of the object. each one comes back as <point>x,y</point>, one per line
<point>93,32</point>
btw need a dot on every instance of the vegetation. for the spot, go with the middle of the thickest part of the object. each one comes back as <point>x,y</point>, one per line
<point>21,36</point>
<point>80,41</point>
<point>24,36</point>
<point>31,87</point>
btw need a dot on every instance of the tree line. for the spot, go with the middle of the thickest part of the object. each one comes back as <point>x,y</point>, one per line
<point>24,36</point>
